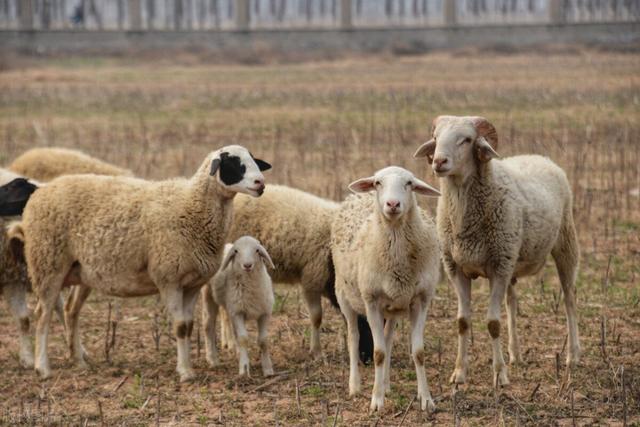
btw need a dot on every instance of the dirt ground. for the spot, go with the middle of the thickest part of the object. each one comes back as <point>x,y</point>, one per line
<point>322,125</point>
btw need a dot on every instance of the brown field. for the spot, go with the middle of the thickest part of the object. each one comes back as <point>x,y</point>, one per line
<point>322,125</point>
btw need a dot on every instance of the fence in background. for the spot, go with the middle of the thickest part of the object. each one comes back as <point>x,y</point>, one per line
<point>246,15</point>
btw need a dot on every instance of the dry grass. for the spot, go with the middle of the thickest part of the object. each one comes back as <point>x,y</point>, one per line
<point>322,125</point>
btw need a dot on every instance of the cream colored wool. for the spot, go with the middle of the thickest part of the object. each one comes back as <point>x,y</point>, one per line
<point>499,219</point>
<point>242,295</point>
<point>45,164</point>
<point>386,268</point>
<point>129,237</point>
<point>294,227</point>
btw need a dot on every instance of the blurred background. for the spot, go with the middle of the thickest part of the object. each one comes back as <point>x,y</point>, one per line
<point>329,91</point>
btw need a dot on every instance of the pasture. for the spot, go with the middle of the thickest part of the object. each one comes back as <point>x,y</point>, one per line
<point>322,125</point>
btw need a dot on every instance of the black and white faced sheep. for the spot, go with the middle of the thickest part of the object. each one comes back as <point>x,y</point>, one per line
<point>387,260</point>
<point>242,290</point>
<point>130,237</point>
<point>499,219</point>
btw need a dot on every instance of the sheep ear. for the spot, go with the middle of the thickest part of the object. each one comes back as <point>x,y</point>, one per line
<point>215,165</point>
<point>362,185</point>
<point>426,150</point>
<point>424,189</point>
<point>484,150</point>
<point>265,257</point>
<point>228,258</point>
<point>262,165</point>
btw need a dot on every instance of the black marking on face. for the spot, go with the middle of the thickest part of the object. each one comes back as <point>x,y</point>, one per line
<point>231,169</point>
<point>262,165</point>
<point>14,196</point>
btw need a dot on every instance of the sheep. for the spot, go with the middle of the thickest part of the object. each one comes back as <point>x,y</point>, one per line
<point>45,164</point>
<point>387,262</point>
<point>130,237</point>
<point>499,219</point>
<point>242,288</point>
<point>295,228</point>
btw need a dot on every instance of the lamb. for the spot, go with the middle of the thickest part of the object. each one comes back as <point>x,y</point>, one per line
<point>242,288</point>
<point>45,164</point>
<point>387,264</point>
<point>499,219</point>
<point>295,228</point>
<point>130,237</point>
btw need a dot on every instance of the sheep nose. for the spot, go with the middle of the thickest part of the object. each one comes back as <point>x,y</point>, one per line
<point>247,266</point>
<point>439,161</point>
<point>393,204</point>
<point>259,181</point>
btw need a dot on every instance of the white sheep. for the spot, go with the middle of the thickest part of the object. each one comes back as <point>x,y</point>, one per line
<point>242,289</point>
<point>387,262</point>
<point>295,228</point>
<point>499,219</point>
<point>131,237</point>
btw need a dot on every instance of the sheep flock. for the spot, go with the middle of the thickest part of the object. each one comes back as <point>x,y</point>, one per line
<point>73,224</point>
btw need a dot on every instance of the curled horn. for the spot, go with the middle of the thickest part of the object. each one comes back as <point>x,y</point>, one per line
<point>486,130</point>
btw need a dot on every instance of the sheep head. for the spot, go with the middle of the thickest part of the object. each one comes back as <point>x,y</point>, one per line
<point>457,142</point>
<point>238,171</point>
<point>246,253</point>
<point>15,195</point>
<point>394,187</point>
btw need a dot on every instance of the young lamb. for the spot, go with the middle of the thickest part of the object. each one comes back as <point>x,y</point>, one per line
<point>499,219</point>
<point>45,164</point>
<point>130,237</point>
<point>387,264</point>
<point>295,228</point>
<point>242,288</point>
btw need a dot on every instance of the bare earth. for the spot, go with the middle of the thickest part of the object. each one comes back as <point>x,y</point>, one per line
<point>323,125</point>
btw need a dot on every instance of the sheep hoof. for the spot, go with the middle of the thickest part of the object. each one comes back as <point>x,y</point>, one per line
<point>26,361</point>
<point>187,375</point>
<point>44,372</point>
<point>213,361</point>
<point>503,379</point>
<point>268,372</point>
<point>515,360</point>
<point>427,404</point>
<point>377,402</point>
<point>458,377</point>
<point>573,358</point>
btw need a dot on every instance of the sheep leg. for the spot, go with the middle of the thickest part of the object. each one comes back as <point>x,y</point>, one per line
<point>242,341</point>
<point>71,314</point>
<point>15,294</point>
<point>566,257</point>
<point>314,305</point>
<point>498,289</point>
<point>173,299</point>
<point>389,329</point>
<point>227,339</point>
<point>418,318</point>
<point>462,286</point>
<point>209,316</point>
<point>263,342</point>
<point>376,322</point>
<point>353,337</point>
<point>47,297</point>
<point>512,311</point>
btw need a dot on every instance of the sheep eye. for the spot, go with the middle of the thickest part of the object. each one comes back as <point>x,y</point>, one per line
<point>467,140</point>
<point>377,183</point>
<point>409,183</point>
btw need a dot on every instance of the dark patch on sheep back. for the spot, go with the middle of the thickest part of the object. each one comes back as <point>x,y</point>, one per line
<point>365,343</point>
<point>14,196</point>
